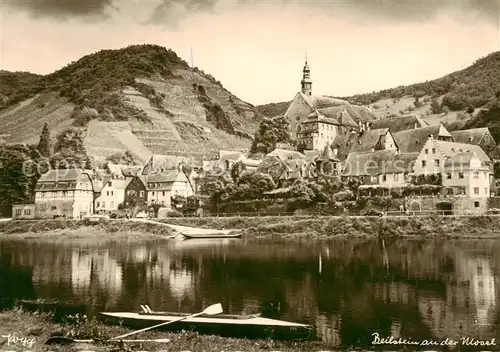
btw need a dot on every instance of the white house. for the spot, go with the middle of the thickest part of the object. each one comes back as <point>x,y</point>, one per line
<point>112,194</point>
<point>163,185</point>
<point>64,192</point>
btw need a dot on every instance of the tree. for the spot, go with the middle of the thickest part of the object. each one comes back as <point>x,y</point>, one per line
<point>44,146</point>
<point>17,176</point>
<point>270,132</point>
<point>123,158</point>
<point>69,150</point>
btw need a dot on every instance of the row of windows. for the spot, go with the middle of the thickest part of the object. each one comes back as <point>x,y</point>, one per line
<point>19,212</point>
<point>64,193</point>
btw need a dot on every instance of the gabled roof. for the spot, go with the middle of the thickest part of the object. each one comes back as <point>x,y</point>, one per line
<point>284,154</point>
<point>367,163</point>
<point>61,180</point>
<point>166,176</point>
<point>412,141</point>
<point>460,159</point>
<point>311,155</point>
<point>470,136</point>
<point>379,162</point>
<point>327,155</point>
<point>398,124</point>
<point>357,142</point>
<point>322,101</point>
<point>159,162</point>
<point>230,155</point>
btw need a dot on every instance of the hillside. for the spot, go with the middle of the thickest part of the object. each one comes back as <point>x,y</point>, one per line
<point>143,98</point>
<point>454,99</point>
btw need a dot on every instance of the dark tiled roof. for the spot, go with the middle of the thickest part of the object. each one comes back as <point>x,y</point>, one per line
<point>450,149</point>
<point>61,180</point>
<point>357,142</point>
<point>471,136</point>
<point>412,141</point>
<point>398,124</point>
<point>379,162</point>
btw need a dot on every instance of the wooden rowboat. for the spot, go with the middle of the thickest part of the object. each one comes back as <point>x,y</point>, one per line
<point>250,326</point>
<point>208,235</point>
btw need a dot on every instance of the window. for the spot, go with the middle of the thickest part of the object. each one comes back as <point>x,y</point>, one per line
<point>107,193</point>
<point>141,194</point>
<point>163,193</point>
<point>427,151</point>
<point>436,162</point>
<point>460,174</point>
<point>104,204</point>
<point>152,193</point>
<point>450,191</point>
<point>97,205</point>
<point>448,175</point>
<point>384,177</point>
<point>112,204</point>
<point>424,163</point>
<point>476,204</point>
<point>461,191</point>
<point>109,183</point>
<point>479,271</point>
<point>18,212</point>
<point>111,192</point>
<point>476,175</point>
<point>396,177</point>
<point>433,150</point>
<point>476,190</point>
<point>27,211</point>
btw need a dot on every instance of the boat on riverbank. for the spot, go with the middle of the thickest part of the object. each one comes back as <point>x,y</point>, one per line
<point>210,235</point>
<point>248,326</point>
<point>59,308</point>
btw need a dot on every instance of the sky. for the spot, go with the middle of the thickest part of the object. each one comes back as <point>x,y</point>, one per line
<point>257,48</point>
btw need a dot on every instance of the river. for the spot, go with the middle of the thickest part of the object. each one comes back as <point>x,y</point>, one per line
<point>347,289</point>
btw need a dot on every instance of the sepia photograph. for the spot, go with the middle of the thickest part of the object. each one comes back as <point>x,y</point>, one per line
<point>249,175</point>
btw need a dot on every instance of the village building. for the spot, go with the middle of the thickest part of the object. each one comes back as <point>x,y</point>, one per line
<point>401,123</point>
<point>66,192</point>
<point>112,194</point>
<point>305,103</point>
<point>164,185</point>
<point>412,141</point>
<point>159,163</point>
<point>23,211</point>
<point>387,168</point>
<point>477,136</point>
<point>465,170</point>
<point>136,191</point>
<point>364,141</point>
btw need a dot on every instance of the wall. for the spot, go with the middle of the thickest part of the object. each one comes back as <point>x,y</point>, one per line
<point>459,203</point>
<point>298,108</point>
<point>23,211</point>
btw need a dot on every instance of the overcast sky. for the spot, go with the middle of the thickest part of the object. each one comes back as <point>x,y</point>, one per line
<point>257,48</point>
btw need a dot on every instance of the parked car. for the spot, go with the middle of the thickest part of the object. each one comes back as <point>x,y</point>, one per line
<point>141,215</point>
<point>372,212</point>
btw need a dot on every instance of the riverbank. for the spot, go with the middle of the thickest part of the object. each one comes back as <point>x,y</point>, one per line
<point>311,227</point>
<point>104,230</point>
<point>271,227</point>
<point>37,328</point>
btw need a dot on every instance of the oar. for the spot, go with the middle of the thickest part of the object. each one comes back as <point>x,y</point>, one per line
<point>67,340</point>
<point>212,310</point>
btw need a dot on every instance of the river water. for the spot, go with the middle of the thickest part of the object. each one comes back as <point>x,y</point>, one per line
<point>347,289</point>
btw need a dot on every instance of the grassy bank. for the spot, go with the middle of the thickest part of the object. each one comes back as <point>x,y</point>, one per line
<point>103,230</point>
<point>328,227</point>
<point>39,327</point>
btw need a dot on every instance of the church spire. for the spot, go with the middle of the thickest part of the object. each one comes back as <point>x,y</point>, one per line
<point>306,82</point>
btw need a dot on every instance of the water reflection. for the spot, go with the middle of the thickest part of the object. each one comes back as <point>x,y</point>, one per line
<point>347,289</point>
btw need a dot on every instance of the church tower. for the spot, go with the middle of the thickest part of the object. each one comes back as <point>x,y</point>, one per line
<point>306,82</point>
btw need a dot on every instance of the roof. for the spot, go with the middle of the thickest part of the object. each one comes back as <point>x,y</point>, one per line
<point>62,180</point>
<point>117,184</point>
<point>450,149</point>
<point>230,155</point>
<point>163,162</point>
<point>311,155</point>
<point>357,142</point>
<point>167,176</point>
<point>398,124</point>
<point>379,162</point>
<point>322,101</point>
<point>470,136</point>
<point>327,154</point>
<point>251,162</point>
<point>284,154</point>
<point>412,141</point>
